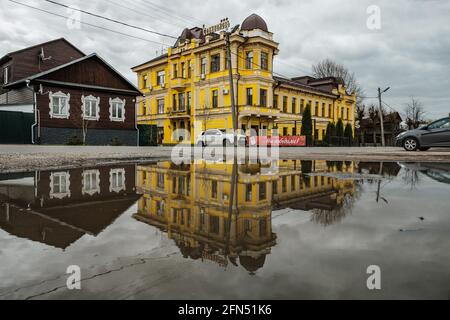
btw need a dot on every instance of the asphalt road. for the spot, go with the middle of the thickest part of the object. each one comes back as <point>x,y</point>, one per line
<point>30,157</point>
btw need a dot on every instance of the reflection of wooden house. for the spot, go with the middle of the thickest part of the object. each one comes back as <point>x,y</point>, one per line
<point>59,207</point>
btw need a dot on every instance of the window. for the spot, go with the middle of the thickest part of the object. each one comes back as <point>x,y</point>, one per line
<point>6,75</point>
<point>215,98</point>
<point>215,63</point>
<point>262,227</point>
<point>262,191</point>
<point>302,105</point>
<point>275,101</point>
<point>284,184</point>
<point>285,104</point>
<point>249,96</point>
<point>294,132</point>
<point>441,124</point>
<point>181,102</point>
<point>117,109</point>
<point>294,105</point>
<point>161,78</point>
<point>116,180</point>
<point>59,185</point>
<point>275,187</point>
<point>160,208</point>
<point>160,180</point>
<point>248,192</point>
<point>189,71</point>
<point>214,189</point>
<point>342,113</point>
<point>175,70</point>
<point>264,61</point>
<point>292,183</point>
<point>263,98</point>
<point>144,81</point>
<point>59,105</point>
<point>323,110</point>
<point>214,224</point>
<point>91,182</point>
<point>189,101</point>
<point>202,219</point>
<point>316,109</point>
<point>247,225</point>
<point>249,60</point>
<point>330,111</point>
<point>348,114</point>
<point>91,107</point>
<point>183,70</point>
<point>174,101</point>
<point>160,103</point>
<point>203,66</point>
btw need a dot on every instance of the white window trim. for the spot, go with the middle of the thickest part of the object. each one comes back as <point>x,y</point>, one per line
<point>97,109</point>
<point>59,195</point>
<point>59,94</point>
<point>111,187</point>
<point>97,186</point>
<point>116,100</point>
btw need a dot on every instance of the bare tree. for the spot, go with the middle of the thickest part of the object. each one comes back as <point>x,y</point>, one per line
<point>414,113</point>
<point>330,68</point>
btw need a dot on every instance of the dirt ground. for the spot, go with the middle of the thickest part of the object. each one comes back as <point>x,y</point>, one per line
<point>19,158</point>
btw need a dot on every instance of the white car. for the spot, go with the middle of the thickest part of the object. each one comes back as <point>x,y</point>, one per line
<point>218,137</point>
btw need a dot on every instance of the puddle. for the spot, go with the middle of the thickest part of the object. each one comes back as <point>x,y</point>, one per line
<point>296,230</point>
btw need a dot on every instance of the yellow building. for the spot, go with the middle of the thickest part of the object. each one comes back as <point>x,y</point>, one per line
<point>191,203</point>
<point>188,87</point>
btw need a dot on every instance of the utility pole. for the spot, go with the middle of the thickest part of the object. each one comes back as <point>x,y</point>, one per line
<point>230,77</point>
<point>383,143</point>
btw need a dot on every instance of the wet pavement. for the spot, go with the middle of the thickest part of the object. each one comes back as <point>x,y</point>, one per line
<point>211,230</point>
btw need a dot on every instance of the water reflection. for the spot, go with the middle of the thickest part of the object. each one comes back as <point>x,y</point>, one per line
<point>191,203</point>
<point>59,207</point>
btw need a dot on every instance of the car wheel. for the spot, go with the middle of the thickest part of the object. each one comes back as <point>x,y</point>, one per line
<point>424,149</point>
<point>410,144</point>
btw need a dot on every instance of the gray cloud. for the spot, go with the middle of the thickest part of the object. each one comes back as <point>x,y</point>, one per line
<point>409,53</point>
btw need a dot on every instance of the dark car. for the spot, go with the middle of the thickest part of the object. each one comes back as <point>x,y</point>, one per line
<point>436,134</point>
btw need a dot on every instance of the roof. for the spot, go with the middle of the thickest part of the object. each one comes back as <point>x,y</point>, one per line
<point>9,54</point>
<point>93,55</point>
<point>254,22</point>
<point>163,56</point>
<point>301,85</point>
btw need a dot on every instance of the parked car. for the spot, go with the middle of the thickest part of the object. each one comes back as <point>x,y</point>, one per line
<point>218,137</point>
<point>436,134</point>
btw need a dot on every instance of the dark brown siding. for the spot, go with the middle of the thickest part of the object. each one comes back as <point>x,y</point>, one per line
<point>26,63</point>
<point>75,119</point>
<point>90,72</point>
<point>23,95</point>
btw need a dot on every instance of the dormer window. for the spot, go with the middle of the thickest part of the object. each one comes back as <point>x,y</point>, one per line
<point>249,60</point>
<point>59,105</point>
<point>91,108</point>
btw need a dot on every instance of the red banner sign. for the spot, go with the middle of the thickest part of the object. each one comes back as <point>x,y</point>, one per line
<point>287,141</point>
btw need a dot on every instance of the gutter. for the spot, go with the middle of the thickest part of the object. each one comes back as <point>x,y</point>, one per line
<point>35,112</point>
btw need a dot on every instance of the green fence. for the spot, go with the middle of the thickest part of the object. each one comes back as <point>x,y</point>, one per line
<point>15,127</point>
<point>148,135</point>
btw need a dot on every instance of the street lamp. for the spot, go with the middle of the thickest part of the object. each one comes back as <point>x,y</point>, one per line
<point>383,143</point>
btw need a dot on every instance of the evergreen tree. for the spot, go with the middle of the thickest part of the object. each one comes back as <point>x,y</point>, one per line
<point>348,133</point>
<point>340,128</point>
<point>306,122</point>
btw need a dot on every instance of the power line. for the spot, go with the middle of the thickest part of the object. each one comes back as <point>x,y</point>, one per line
<point>88,24</point>
<point>111,20</point>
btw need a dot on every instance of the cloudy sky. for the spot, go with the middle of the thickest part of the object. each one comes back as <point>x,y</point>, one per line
<point>409,52</point>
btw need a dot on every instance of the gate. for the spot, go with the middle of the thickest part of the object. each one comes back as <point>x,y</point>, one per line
<point>15,127</point>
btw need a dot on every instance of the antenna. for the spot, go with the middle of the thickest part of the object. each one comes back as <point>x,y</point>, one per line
<point>42,55</point>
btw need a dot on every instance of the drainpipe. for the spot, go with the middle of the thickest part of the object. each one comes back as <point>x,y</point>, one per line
<point>239,77</point>
<point>35,113</point>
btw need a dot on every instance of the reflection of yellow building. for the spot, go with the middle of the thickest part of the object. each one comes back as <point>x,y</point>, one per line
<point>191,203</point>
<point>190,86</point>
